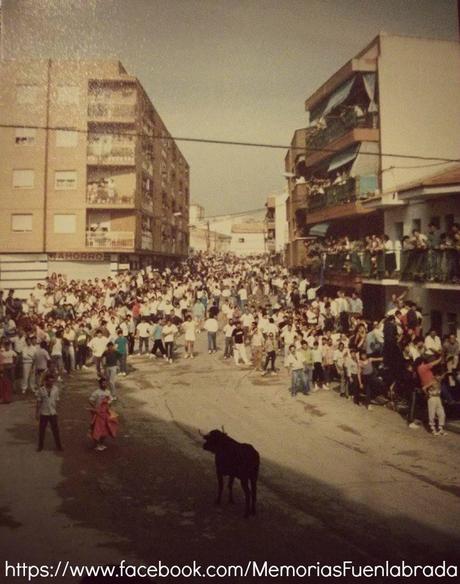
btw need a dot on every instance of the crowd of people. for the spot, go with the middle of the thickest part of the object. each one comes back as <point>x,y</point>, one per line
<point>256,314</point>
<point>433,257</point>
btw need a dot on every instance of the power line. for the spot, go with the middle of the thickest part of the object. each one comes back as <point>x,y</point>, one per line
<point>236,214</point>
<point>227,142</point>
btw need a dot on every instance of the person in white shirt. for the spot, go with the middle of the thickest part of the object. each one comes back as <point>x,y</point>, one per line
<point>46,412</point>
<point>318,371</point>
<point>228,337</point>
<point>189,327</point>
<point>287,334</point>
<point>28,359</point>
<point>433,347</point>
<point>243,297</point>
<point>246,320</point>
<point>143,332</point>
<point>211,326</point>
<point>56,355</point>
<point>170,330</point>
<point>339,357</point>
<point>298,377</point>
<point>98,345</point>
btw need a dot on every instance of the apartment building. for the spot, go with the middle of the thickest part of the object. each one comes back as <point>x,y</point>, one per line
<point>276,225</point>
<point>91,182</point>
<point>399,97</point>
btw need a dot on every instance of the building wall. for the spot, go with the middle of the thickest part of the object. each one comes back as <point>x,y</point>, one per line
<point>196,214</point>
<point>419,86</point>
<point>202,240</point>
<point>75,80</point>
<point>422,211</point>
<point>247,243</point>
<point>224,223</point>
<point>281,225</point>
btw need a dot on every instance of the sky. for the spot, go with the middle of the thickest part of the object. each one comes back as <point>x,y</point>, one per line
<point>236,70</point>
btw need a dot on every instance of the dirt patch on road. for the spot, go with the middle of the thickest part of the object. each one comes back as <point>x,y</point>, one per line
<point>313,410</point>
<point>349,429</point>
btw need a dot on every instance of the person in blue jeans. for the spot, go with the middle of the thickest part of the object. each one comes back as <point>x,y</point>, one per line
<point>212,326</point>
<point>299,382</point>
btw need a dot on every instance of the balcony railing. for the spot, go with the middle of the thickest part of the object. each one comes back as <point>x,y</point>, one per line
<point>111,111</point>
<point>110,239</point>
<point>123,154</point>
<point>147,204</point>
<point>347,192</point>
<point>339,126</point>
<point>106,196</point>
<point>414,265</point>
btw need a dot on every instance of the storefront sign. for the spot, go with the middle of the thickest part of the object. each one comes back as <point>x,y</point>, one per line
<point>77,257</point>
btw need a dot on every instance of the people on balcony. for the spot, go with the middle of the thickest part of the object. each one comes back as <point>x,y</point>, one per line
<point>104,192</point>
<point>434,257</point>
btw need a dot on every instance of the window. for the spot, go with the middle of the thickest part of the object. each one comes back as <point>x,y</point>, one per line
<point>65,180</point>
<point>26,94</point>
<point>436,221</point>
<point>68,94</point>
<point>241,240</point>
<point>65,223</point>
<point>452,323</point>
<point>417,224</point>
<point>25,136</point>
<point>436,321</point>
<point>66,138</point>
<point>21,222</point>
<point>23,179</point>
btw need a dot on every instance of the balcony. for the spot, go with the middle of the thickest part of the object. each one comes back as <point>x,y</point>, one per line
<point>147,204</point>
<point>119,155</point>
<point>146,240</point>
<point>430,268</point>
<point>103,112</point>
<point>100,196</point>
<point>110,239</point>
<point>338,126</point>
<point>341,200</point>
<point>316,156</point>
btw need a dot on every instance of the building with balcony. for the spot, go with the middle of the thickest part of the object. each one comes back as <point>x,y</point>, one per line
<point>91,181</point>
<point>276,225</point>
<point>365,123</point>
<point>429,274</point>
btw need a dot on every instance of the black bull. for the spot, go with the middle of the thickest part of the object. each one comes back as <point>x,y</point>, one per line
<point>234,459</point>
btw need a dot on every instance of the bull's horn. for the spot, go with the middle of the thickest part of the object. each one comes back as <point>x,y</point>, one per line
<point>200,432</point>
<point>223,429</point>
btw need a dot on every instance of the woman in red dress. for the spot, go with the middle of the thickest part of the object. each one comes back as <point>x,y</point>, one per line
<point>104,421</point>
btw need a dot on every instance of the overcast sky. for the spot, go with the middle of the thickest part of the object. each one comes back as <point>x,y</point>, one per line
<point>223,69</point>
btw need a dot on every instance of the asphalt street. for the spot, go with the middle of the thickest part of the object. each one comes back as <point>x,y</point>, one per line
<point>337,482</point>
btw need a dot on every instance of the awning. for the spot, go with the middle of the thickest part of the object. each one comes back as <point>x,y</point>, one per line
<point>319,230</point>
<point>343,157</point>
<point>339,96</point>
